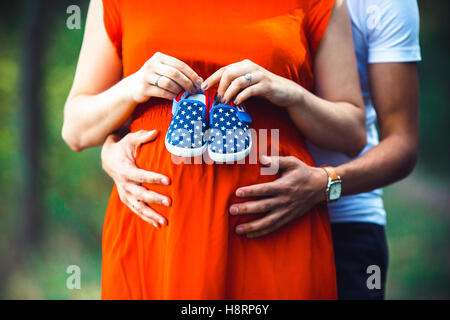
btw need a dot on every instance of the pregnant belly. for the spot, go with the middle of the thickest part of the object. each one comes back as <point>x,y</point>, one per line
<point>199,248</point>
<point>200,185</point>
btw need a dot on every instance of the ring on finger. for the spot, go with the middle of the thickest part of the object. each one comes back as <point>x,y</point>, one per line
<point>157,79</point>
<point>248,77</point>
<point>136,204</point>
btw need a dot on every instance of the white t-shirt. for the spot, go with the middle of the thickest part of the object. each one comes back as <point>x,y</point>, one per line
<point>383,31</point>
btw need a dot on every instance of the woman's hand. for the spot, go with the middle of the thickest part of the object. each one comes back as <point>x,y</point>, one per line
<point>101,100</point>
<point>119,162</point>
<point>299,188</point>
<point>333,117</point>
<point>242,80</point>
<point>163,76</point>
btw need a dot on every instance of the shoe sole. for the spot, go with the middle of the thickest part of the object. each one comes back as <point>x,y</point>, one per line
<point>229,157</point>
<point>185,152</point>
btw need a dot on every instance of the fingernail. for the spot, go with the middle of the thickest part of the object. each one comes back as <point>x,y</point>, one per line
<point>235,102</point>
<point>240,193</point>
<point>204,85</point>
<point>165,181</point>
<point>239,229</point>
<point>234,210</point>
<point>155,225</point>
<point>265,159</point>
<point>165,202</point>
<point>161,221</point>
<point>199,82</point>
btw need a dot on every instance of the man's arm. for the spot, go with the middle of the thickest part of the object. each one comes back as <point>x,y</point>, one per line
<point>395,94</point>
<point>394,89</point>
<point>393,43</point>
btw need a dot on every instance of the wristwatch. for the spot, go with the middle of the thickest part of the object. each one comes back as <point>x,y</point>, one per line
<point>334,184</point>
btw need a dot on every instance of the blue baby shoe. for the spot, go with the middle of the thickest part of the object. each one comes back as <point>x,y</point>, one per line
<point>229,135</point>
<point>186,134</point>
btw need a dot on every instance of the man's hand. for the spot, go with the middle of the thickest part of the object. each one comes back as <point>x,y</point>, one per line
<point>299,188</point>
<point>119,162</point>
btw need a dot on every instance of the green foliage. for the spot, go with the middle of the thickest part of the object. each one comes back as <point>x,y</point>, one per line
<point>418,226</point>
<point>434,73</point>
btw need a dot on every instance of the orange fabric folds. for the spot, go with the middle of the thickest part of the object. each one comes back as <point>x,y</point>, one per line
<point>198,255</point>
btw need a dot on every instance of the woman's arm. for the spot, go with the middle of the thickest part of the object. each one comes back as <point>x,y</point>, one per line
<point>99,101</point>
<point>337,104</point>
<point>332,118</point>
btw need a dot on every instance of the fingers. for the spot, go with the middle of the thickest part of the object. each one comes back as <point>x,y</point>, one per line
<point>183,67</point>
<point>258,206</point>
<point>260,190</point>
<point>142,176</point>
<point>138,208</point>
<point>160,81</point>
<point>259,233</point>
<point>213,79</point>
<point>216,77</point>
<point>154,91</point>
<point>270,220</point>
<point>132,172</point>
<point>142,136</point>
<point>147,214</point>
<point>136,198</point>
<point>224,76</point>
<point>239,84</point>
<point>136,139</point>
<point>229,74</point>
<point>147,196</point>
<point>284,162</point>
<point>175,75</point>
<point>251,91</point>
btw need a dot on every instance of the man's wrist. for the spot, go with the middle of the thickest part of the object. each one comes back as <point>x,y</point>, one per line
<point>334,184</point>
<point>341,171</point>
<point>110,140</point>
<point>321,178</point>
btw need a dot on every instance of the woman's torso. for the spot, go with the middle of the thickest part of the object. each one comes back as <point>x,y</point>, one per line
<point>199,247</point>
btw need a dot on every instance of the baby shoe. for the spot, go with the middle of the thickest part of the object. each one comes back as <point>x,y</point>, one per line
<point>185,136</point>
<point>229,134</point>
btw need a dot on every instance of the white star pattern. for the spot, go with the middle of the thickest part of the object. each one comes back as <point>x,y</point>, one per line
<point>231,131</point>
<point>187,127</point>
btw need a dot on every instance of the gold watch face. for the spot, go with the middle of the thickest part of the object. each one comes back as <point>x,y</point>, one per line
<point>335,190</point>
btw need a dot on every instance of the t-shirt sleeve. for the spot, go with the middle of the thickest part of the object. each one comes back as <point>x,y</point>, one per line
<point>113,24</point>
<point>318,16</point>
<point>393,31</point>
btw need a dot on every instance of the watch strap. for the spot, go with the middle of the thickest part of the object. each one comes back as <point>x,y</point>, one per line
<point>331,173</point>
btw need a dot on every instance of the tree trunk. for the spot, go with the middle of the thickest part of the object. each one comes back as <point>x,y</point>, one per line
<point>31,218</point>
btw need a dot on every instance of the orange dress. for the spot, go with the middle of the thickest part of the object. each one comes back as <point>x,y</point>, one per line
<point>198,255</point>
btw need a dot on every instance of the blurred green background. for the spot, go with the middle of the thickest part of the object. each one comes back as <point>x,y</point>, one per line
<point>72,190</point>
